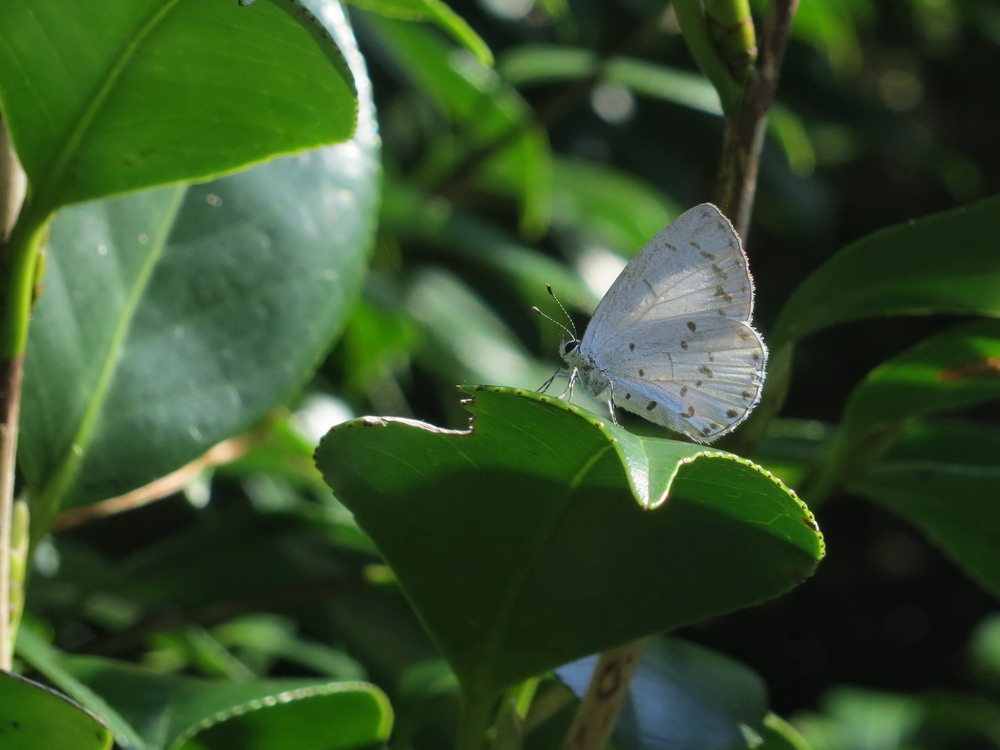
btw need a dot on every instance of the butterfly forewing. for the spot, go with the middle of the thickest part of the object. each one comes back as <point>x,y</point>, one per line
<point>695,266</point>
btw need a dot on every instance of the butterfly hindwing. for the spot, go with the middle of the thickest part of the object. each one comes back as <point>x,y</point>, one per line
<point>700,382</point>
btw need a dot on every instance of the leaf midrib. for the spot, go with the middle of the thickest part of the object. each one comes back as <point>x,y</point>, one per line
<point>49,186</point>
<point>51,495</point>
<point>507,604</point>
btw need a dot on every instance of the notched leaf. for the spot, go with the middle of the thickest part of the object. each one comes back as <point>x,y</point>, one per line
<point>509,536</point>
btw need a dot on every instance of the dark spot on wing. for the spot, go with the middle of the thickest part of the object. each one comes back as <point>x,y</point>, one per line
<point>684,345</point>
<point>705,371</point>
<point>719,272</point>
<point>744,335</point>
<point>650,406</point>
<point>684,390</point>
<point>756,357</point>
<point>695,245</point>
<point>689,413</point>
<point>631,347</point>
<point>705,255</point>
<point>628,396</point>
<point>691,326</point>
<point>732,414</point>
<point>672,248</point>
<point>720,292</point>
<point>698,383</point>
<point>642,372</point>
<point>711,357</point>
<point>705,431</point>
<point>745,395</point>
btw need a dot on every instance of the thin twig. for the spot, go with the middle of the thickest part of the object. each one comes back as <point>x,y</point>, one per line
<point>744,135</point>
<point>598,711</point>
<point>222,453</point>
<point>12,187</point>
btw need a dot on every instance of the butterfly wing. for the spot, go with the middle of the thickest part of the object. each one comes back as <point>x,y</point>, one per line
<point>693,266</point>
<point>701,383</point>
<point>673,334</point>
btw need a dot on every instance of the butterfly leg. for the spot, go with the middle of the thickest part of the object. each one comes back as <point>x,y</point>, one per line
<point>611,402</point>
<point>545,386</point>
<point>568,391</point>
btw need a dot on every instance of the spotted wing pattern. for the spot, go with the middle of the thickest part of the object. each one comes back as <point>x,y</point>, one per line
<point>672,337</point>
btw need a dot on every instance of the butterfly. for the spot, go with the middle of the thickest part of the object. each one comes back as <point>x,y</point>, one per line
<point>671,341</point>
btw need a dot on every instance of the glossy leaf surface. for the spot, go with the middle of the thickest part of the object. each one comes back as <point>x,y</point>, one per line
<point>510,538</point>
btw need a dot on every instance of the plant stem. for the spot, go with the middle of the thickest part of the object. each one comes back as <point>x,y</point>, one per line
<point>742,143</point>
<point>16,281</point>
<point>745,127</point>
<point>10,401</point>
<point>473,721</point>
<point>598,712</point>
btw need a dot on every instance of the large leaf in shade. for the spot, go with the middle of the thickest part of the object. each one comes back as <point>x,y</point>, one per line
<point>941,478</point>
<point>511,538</point>
<point>954,369</point>
<point>944,479</point>
<point>173,319</point>
<point>685,697</point>
<point>34,717</point>
<point>944,263</point>
<point>107,97</point>
<point>172,712</point>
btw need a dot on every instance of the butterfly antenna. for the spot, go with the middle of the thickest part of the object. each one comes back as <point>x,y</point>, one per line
<point>553,320</point>
<point>548,288</point>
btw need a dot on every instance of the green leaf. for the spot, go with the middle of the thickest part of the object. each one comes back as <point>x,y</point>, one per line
<point>48,660</point>
<point>944,263</point>
<point>540,63</point>
<point>104,98</point>
<point>170,712</point>
<point>176,318</point>
<point>861,718</point>
<point>499,134</point>
<point>436,12</point>
<point>944,479</point>
<point>778,734</point>
<point>463,236</point>
<point>508,538</point>
<point>34,717</point>
<point>955,369</point>
<point>984,652</point>
<point>606,206</point>
<point>685,697</point>
<point>534,64</point>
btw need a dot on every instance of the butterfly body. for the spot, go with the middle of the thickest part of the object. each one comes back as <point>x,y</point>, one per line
<point>672,339</point>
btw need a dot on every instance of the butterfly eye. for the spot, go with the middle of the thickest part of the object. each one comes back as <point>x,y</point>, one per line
<point>570,346</point>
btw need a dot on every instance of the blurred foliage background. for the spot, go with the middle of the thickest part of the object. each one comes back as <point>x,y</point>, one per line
<point>592,131</point>
<point>886,112</point>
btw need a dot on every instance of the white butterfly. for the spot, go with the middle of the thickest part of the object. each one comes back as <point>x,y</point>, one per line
<point>672,339</point>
